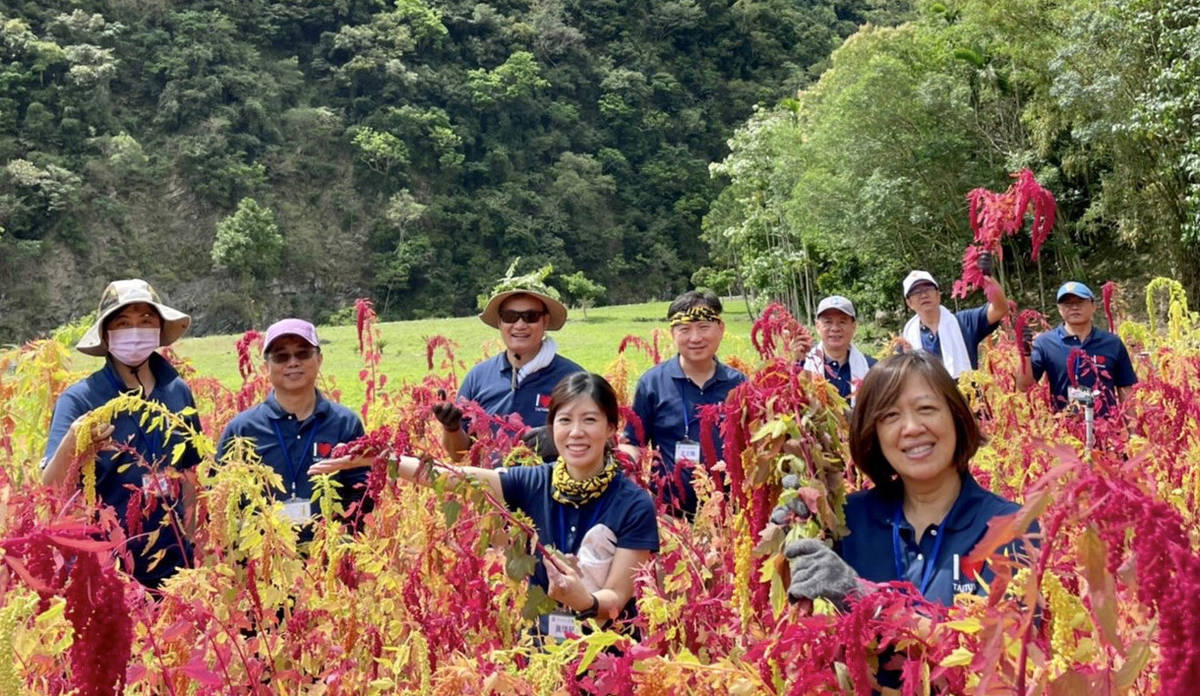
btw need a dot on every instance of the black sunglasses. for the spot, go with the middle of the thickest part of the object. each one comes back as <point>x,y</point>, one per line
<point>510,316</point>
<point>282,357</point>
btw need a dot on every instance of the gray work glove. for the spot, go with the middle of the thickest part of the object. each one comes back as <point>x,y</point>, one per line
<point>817,571</point>
<point>449,415</point>
<point>541,440</point>
<point>794,510</point>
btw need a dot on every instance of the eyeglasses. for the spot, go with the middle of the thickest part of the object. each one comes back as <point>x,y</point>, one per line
<point>922,290</point>
<point>283,358</point>
<point>511,316</point>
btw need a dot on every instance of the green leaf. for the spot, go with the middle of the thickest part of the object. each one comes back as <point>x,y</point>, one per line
<point>518,565</point>
<point>537,603</point>
<point>595,643</point>
<point>451,510</point>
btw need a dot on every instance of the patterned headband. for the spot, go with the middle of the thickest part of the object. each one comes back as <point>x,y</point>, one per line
<point>693,315</point>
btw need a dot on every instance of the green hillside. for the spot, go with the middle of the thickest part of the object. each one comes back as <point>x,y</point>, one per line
<point>254,158</point>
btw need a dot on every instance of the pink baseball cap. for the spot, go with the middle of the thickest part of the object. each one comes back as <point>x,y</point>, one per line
<point>291,327</point>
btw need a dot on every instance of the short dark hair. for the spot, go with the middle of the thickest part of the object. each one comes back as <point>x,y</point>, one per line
<point>585,384</point>
<point>694,298</point>
<point>879,391</point>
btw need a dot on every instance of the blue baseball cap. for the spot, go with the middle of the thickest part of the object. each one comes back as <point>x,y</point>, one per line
<point>1075,288</point>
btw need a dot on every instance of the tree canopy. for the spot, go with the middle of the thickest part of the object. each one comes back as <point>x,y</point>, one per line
<point>864,175</point>
<point>407,149</point>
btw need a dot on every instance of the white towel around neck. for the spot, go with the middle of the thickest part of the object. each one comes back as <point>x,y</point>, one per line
<point>815,362</point>
<point>544,357</point>
<point>954,347</point>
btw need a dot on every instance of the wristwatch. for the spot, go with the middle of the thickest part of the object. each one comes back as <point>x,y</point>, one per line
<point>590,612</point>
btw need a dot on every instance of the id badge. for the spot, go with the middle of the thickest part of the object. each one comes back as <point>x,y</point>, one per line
<point>560,624</point>
<point>686,449</point>
<point>297,510</point>
<point>156,483</point>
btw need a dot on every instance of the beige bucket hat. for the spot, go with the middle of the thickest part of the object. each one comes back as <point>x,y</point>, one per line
<point>120,293</point>
<point>558,311</point>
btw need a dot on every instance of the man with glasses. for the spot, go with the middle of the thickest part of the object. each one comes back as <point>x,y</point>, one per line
<point>952,336</point>
<point>669,395</point>
<point>836,358</point>
<point>520,378</point>
<point>1101,372</point>
<point>296,427</point>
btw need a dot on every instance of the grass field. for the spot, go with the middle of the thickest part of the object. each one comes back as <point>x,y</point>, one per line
<point>592,342</point>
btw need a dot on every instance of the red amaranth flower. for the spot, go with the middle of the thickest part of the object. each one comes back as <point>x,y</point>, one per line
<point>447,346</point>
<point>249,347</point>
<point>1107,292</point>
<point>133,512</point>
<point>651,350</point>
<point>972,278</point>
<point>994,216</point>
<point>773,331</point>
<point>95,599</point>
<point>1031,318</point>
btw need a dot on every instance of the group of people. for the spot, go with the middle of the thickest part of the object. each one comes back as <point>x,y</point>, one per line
<point>911,432</point>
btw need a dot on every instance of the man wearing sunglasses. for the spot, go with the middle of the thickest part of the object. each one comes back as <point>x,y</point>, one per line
<point>518,380</point>
<point>296,427</point>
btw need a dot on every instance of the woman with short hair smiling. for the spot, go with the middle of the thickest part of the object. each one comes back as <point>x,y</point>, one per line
<point>913,434</point>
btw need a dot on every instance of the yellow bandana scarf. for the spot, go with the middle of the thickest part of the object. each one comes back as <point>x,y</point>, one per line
<point>575,493</point>
<point>694,314</point>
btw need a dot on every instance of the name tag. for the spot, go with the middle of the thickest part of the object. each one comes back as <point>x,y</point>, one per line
<point>686,449</point>
<point>297,510</point>
<point>158,484</point>
<point>560,624</point>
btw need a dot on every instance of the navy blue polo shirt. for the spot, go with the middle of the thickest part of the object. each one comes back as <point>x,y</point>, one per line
<point>118,472</point>
<point>1113,367</point>
<point>664,394</point>
<point>490,384</point>
<point>624,508</point>
<point>271,428</point>
<point>870,548</point>
<point>838,374</point>
<point>975,328</point>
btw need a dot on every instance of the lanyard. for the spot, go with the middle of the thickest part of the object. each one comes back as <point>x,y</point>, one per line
<point>898,553</point>
<point>151,443</point>
<point>293,472</point>
<point>687,411</point>
<point>565,535</point>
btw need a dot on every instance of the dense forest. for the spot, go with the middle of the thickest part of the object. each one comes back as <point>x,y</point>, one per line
<point>252,157</point>
<point>864,175</point>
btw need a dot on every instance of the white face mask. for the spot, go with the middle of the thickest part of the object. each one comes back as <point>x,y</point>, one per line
<point>133,346</point>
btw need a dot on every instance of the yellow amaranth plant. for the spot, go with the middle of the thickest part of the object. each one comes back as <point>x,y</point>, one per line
<point>10,681</point>
<point>154,417</point>
<point>1067,614</point>
<point>743,566</point>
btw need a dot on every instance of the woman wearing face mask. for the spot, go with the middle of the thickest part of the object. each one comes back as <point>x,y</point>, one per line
<point>132,459</point>
<point>582,505</point>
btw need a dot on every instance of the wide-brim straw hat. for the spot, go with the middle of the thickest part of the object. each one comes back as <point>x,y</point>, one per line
<point>121,293</point>
<point>491,313</point>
